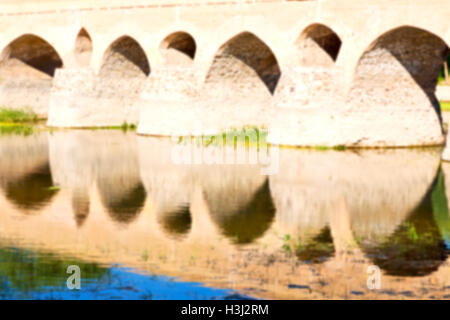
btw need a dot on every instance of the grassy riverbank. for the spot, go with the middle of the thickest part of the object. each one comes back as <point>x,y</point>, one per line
<point>8,115</point>
<point>25,122</point>
<point>17,121</point>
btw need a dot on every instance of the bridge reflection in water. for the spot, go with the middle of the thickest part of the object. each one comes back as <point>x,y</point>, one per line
<point>309,231</point>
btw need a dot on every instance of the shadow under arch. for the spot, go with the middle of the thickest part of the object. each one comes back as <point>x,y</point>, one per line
<point>178,48</point>
<point>123,203</point>
<point>247,222</point>
<point>83,48</point>
<point>177,223</point>
<point>125,58</point>
<point>244,49</point>
<point>395,60</point>
<point>319,45</point>
<point>31,51</point>
<point>416,248</point>
<point>33,191</point>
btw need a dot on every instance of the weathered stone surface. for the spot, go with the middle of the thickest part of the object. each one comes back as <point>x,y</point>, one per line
<point>391,101</point>
<point>394,89</point>
<point>315,73</point>
<point>81,98</point>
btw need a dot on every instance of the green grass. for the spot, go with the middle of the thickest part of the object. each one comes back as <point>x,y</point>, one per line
<point>248,136</point>
<point>326,148</point>
<point>445,105</point>
<point>15,129</point>
<point>128,127</point>
<point>17,121</point>
<point>124,127</point>
<point>441,80</point>
<point>23,121</point>
<point>8,115</point>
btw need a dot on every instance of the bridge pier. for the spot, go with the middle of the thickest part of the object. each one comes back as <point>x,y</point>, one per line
<point>177,103</point>
<point>168,102</point>
<point>80,99</point>
<point>307,107</point>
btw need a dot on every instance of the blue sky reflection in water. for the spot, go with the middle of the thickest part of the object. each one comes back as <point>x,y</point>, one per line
<point>29,275</point>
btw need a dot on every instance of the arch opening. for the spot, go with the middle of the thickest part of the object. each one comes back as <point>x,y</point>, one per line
<point>121,79</point>
<point>398,61</point>
<point>178,48</point>
<point>27,67</point>
<point>244,66</point>
<point>318,46</point>
<point>394,85</point>
<point>30,56</point>
<point>83,48</point>
<point>125,58</point>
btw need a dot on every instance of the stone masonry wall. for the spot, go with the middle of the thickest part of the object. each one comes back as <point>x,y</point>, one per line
<point>110,98</point>
<point>314,72</point>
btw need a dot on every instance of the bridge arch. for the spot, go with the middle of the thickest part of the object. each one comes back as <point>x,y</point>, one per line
<point>83,48</point>
<point>27,66</point>
<point>178,48</point>
<point>125,58</point>
<point>244,65</point>
<point>319,45</point>
<point>394,84</point>
<point>122,76</point>
<point>31,56</point>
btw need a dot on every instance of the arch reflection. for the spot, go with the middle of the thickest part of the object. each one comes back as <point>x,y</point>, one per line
<point>25,174</point>
<point>242,219</point>
<point>416,247</point>
<point>125,203</point>
<point>32,191</point>
<point>178,222</point>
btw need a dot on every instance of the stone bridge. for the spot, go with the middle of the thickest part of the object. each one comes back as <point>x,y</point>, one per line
<point>316,73</point>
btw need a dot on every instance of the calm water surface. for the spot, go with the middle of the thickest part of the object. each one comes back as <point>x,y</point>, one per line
<point>142,226</point>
